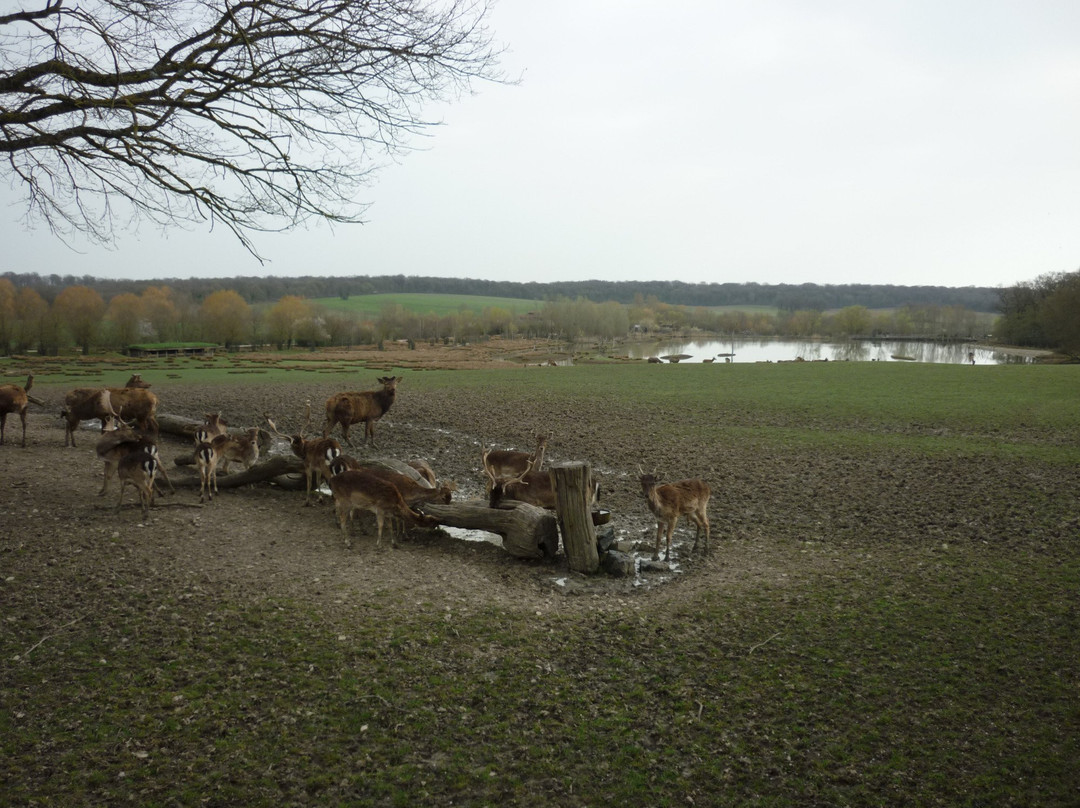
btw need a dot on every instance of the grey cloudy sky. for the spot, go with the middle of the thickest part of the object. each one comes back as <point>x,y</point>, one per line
<point>775,141</point>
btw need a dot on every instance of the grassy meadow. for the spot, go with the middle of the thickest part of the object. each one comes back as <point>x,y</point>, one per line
<point>890,616</point>
<point>373,305</point>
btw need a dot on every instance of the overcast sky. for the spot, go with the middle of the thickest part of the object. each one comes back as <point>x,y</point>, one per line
<point>775,141</point>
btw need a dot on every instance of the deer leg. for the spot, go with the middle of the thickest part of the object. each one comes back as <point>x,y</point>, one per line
<point>110,467</point>
<point>659,534</point>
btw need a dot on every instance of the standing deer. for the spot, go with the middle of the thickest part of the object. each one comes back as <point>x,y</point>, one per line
<point>317,454</point>
<point>213,426</point>
<point>14,398</point>
<point>669,501</point>
<point>139,469</point>
<point>86,404</point>
<point>136,381</point>
<point>237,448</point>
<point>360,489</point>
<point>138,405</point>
<point>367,406</point>
<point>116,444</point>
<point>507,463</point>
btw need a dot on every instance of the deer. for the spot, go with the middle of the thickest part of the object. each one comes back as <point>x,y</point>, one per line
<point>425,470</point>
<point>317,453</point>
<point>361,489</point>
<point>86,404</point>
<point>139,469</point>
<point>14,398</point>
<point>213,426</point>
<point>117,444</point>
<point>507,463</point>
<point>669,501</point>
<point>237,448</point>
<point>138,405</point>
<point>136,381</point>
<point>367,406</point>
<point>533,487</point>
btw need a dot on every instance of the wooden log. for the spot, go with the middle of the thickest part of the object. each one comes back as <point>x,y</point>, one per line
<point>573,504</point>
<point>265,471</point>
<point>527,531</point>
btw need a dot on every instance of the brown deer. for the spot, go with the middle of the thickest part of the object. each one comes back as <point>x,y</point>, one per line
<point>207,458</point>
<point>360,489</point>
<point>136,381</point>
<point>139,469</point>
<point>669,501</point>
<point>425,470</point>
<point>14,398</point>
<point>507,463</point>
<point>138,405</point>
<point>533,487</point>
<point>117,444</point>
<point>367,406</point>
<point>317,453</point>
<point>213,426</point>
<point>237,448</point>
<point>86,404</point>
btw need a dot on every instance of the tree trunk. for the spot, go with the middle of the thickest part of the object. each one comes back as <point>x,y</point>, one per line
<point>527,531</point>
<point>265,471</point>
<point>573,503</point>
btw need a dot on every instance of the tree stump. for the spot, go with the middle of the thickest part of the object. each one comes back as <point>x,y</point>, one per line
<point>573,502</point>
<point>527,531</point>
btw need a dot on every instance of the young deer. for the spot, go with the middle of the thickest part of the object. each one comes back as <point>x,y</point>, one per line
<point>207,458</point>
<point>237,448</point>
<point>14,398</point>
<point>360,489</point>
<point>669,501</point>
<point>116,444</point>
<point>139,469</point>
<point>367,407</point>
<point>317,454</point>
<point>507,463</point>
<point>213,426</point>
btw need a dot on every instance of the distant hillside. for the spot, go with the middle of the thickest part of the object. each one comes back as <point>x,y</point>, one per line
<point>784,297</point>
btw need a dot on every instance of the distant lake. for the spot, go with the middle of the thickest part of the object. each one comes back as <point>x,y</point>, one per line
<point>788,350</point>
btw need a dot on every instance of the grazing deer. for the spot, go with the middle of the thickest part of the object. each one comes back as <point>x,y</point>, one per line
<point>136,381</point>
<point>670,501</point>
<point>116,444</point>
<point>139,469</point>
<point>360,489</point>
<point>367,406</point>
<point>317,454</point>
<point>86,404</point>
<point>14,398</point>
<point>507,463</point>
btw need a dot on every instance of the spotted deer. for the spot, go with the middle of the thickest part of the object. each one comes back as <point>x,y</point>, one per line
<point>139,469</point>
<point>317,454</point>
<point>508,463</point>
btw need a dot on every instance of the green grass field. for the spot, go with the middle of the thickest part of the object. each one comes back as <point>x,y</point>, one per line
<point>373,305</point>
<point>890,617</point>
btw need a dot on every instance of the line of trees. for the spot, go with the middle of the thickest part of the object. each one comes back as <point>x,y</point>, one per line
<point>785,297</point>
<point>1043,313</point>
<point>79,317</point>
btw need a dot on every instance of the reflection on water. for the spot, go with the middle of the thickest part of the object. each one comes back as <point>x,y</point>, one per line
<point>788,350</point>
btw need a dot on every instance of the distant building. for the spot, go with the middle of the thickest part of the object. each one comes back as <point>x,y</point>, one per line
<point>159,349</point>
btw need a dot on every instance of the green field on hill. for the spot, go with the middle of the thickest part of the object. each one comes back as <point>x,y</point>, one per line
<point>373,305</point>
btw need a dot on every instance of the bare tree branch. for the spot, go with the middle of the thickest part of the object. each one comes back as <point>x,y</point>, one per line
<point>259,114</point>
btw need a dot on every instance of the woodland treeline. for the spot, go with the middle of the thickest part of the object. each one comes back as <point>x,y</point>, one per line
<point>785,297</point>
<point>1043,313</point>
<point>80,317</point>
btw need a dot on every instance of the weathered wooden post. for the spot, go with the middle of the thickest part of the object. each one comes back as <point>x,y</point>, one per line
<point>573,503</point>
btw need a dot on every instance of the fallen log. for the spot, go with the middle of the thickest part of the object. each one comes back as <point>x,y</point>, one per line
<point>527,531</point>
<point>268,470</point>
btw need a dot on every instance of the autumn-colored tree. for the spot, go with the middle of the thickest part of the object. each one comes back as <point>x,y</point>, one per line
<point>125,314</point>
<point>31,313</point>
<point>80,309</point>
<point>285,318</point>
<point>225,317</point>
<point>7,313</point>
<point>159,309</point>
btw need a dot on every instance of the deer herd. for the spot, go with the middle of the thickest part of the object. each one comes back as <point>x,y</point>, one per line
<point>394,492</point>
